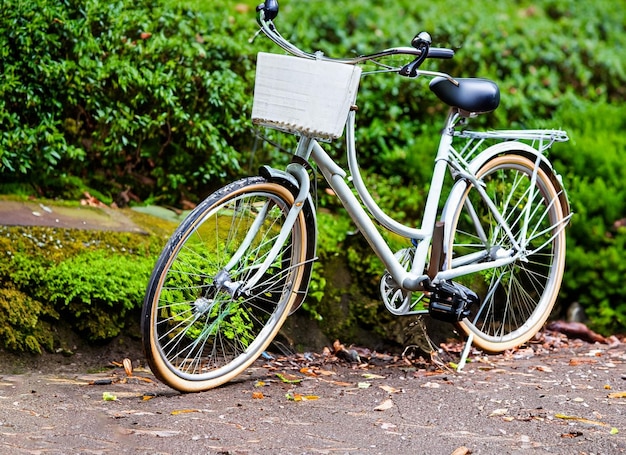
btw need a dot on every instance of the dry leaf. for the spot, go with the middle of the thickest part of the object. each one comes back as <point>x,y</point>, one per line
<point>128,367</point>
<point>498,412</point>
<point>326,372</point>
<point>373,376</point>
<point>387,404</point>
<point>431,385</point>
<point>581,361</point>
<point>572,434</point>
<point>258,395</point>
<point>617,395</point>
<point>389,389</point>
<point>461,451</point>
<point>387,426</point>
<point>300,397</point>
<point>580,419</point>
<point>183,411</point>
<point>308,371</point>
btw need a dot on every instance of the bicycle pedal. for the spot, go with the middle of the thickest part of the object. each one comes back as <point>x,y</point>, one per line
<point>450,301</point>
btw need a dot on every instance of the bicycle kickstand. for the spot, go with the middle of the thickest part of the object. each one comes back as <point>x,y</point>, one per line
<point>465,353</point>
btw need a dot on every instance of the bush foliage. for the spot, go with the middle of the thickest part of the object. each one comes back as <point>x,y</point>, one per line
<point>127,95</point>
<point>152,99</point>
<point>90,281</point>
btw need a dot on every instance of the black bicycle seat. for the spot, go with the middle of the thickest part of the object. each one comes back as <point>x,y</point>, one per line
<point>472,95</point>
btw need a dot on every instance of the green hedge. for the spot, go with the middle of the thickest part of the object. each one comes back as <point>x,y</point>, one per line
<point>125,95</point>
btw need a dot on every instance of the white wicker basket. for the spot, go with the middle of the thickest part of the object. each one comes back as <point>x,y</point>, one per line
<point>308,97</point>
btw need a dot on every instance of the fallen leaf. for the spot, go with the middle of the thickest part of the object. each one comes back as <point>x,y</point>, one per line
<point>183,411</point>
<point>157,433</point>
<point>580,419</point>
<point>108,396</point>
<point>289,378</point>
<point>617,395</point>
<point>259,384</point>
<point>461,451</point>
<point>128,367</point>
<point>373,376</point>
<point>614,430</point>
<point>363,385</point>
<point>389,389</point>
<point>385,405</point>
<point>325,372</point>
<point>387,426</point>
<point>258,395</point>
<point>581,361</point>
<point>572,434</point>
<point>308,371</point>
<point>339,383</point>
<point>300,397</point>
<point>498,412</point>
<point>431,385</point>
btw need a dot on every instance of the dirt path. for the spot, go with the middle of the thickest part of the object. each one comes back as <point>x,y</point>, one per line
<point>568,400</point>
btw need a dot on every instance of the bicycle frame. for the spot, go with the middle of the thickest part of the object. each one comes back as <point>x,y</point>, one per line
<point>447,159</point>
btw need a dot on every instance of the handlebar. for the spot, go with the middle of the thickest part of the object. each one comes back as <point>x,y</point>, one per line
<point>420,49</point>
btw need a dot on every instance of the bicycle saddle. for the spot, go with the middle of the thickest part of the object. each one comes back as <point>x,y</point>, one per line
<point>472,96</point>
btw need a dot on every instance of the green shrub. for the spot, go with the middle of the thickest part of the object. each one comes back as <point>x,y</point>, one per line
<point>123,94</point>
<point>94,281</point>
<point>21,325</point>
<point>99,289</point>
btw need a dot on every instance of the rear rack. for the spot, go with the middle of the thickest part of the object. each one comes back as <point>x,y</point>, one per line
<point>545,138</point>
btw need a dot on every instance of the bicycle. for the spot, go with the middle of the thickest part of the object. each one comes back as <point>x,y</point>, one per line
<point>490,261</point>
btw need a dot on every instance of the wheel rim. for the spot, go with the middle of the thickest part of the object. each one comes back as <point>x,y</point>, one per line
<point>515,299</point>
<point>206,324</point>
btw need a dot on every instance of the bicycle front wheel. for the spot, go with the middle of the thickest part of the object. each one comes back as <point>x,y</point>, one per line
<point>223,285</point>
<point>516,299</point>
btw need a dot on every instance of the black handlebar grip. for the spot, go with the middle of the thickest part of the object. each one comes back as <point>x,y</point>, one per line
<point>269,8</point>
<point>438,52</point>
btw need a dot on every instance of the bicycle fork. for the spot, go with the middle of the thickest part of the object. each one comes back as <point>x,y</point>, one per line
<point>301,176</point>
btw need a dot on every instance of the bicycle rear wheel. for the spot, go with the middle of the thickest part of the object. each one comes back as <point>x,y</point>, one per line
<point>515,300</point>
<point>216,298</point>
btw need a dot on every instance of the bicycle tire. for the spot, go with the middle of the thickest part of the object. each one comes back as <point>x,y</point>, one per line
<point>517,299</point>
<point>199,329</point>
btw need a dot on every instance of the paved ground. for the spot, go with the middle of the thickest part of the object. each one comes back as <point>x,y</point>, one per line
<point>20,213</point>
<point>566,400</point>
<point>557,396</point>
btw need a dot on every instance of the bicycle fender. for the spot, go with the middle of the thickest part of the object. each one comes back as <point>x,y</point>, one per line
<point>514,147</point>
<point>288,180</point>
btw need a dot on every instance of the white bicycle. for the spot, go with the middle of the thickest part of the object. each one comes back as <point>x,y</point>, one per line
<point>490,259</point>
